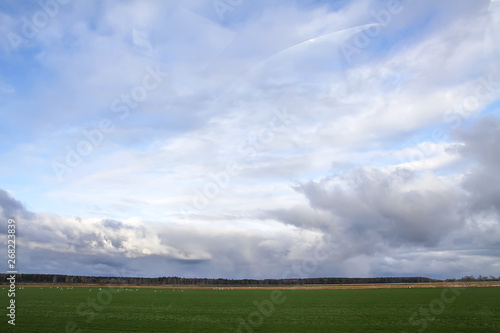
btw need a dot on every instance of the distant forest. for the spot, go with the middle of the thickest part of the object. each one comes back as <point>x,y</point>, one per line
<point>173,280</point>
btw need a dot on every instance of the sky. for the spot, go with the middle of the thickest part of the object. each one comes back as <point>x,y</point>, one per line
<point>251,139</point>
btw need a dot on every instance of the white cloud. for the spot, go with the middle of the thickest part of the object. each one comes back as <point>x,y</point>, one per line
<point>353,126</point>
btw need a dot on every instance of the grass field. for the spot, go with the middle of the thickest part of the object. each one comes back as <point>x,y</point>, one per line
<point>256,310</point>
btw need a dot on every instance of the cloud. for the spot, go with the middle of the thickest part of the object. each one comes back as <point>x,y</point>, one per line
<point>11,207</point>
<point>396,207</point>
<point>380,221</point>
<point>481,143</point>
<point>387,213</point>
<point>105,246</point>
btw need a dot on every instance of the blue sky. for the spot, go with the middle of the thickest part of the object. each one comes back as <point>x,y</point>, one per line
<point>236,138</point>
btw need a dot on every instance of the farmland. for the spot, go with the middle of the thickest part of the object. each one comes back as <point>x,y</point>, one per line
<point>130,309</point>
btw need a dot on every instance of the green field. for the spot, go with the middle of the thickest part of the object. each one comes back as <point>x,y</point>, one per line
<point>365,310</point>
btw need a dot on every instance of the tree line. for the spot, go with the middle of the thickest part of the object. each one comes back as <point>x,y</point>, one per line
<point>174,280</point>
<point>471,278</point>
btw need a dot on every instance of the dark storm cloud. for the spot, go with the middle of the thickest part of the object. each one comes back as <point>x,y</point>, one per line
<point>71,242</point>
<point>482,143</point>
<point>50,243</point>
<point>379,213</point>
<point>11,207</point>
<point>369,202</point>
<point>303,216</point>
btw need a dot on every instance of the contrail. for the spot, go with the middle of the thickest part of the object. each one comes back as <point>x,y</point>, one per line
<point>334,38</point>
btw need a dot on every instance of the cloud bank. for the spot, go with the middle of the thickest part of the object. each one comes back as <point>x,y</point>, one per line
<point>162,138</point>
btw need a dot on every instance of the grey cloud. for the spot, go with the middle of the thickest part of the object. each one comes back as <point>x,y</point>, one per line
<point>54,244</point>
<point>77,245</point>
<point>409,217</point>
<point>368,202</point>
<point>112,224</point>
<point>482,143</point>
<point>380,223</point>
<point>303,216</point>
<point>11,208</point>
